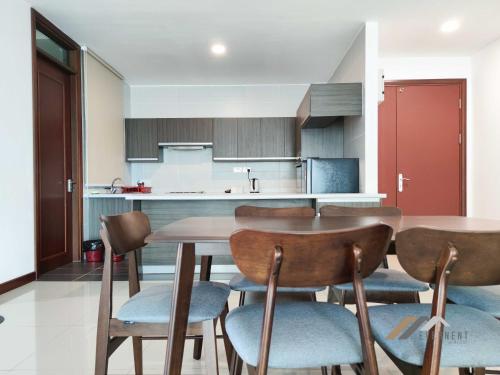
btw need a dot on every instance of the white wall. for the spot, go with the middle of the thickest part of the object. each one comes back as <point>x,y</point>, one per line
<point>104,134</point>
<point>442,68</point>
<point>16,142</point>
<point>485,178</point>
<point>216,101</point>
<point>360,64</point>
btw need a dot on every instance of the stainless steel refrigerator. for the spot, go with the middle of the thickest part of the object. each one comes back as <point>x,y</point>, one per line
<point>340,175</point>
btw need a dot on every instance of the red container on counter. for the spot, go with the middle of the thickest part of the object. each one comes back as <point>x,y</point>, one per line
<point>140,188</point>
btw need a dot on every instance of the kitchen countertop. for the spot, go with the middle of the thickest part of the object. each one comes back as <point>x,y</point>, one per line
<point>359,197</point>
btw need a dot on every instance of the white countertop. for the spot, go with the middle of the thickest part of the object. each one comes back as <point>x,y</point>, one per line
<point>359,197</point>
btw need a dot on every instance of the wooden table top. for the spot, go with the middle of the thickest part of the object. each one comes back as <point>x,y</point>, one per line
<point>219,228</point>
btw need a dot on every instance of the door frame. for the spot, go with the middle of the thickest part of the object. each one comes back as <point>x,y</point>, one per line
<point>462,82</point>
<point>43,24</point>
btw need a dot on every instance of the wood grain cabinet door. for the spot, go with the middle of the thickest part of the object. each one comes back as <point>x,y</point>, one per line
<point>185,130</point>
<point>225,138</point>
<point>290,133</point>
<point>273,137</point>
<point>141,137</point>
<point>249,138</point>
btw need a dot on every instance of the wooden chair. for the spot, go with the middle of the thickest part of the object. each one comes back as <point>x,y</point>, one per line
<point>471,341</point>
<point>305,334</point>
<point>146,314</point>
<point>242,284</point>
<point>384,285</point>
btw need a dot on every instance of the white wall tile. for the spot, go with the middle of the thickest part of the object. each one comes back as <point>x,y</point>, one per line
<point>195,171</point>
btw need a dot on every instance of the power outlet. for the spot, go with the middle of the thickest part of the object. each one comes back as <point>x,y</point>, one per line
<point>239,170</point>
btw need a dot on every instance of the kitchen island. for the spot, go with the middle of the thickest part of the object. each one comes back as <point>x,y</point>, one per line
<point>163,209</point>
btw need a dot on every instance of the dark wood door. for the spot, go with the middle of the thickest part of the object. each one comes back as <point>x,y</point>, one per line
<point>53,132</point>
<point>420,148</point>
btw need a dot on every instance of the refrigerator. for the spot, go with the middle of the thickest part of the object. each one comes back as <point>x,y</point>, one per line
<point>323,176</point>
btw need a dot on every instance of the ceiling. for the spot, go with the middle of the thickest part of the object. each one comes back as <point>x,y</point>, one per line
<point>268,41</point>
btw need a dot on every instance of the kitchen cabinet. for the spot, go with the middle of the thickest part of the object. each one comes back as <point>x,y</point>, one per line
<point>249,138</point>
<point>267,138</point>
<point>327,142</point>
<point>272,137</point>
<point>290,134</point>
<point>185,130</point>
<point>141,138</point>
<point>225,138</point>
<point>324,103</point>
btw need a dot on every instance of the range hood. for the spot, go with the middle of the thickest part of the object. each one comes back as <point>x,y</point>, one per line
<point>324,103</point>
<point>186,146</point>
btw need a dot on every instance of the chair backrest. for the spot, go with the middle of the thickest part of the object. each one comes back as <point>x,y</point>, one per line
<point>332,210</point>
<point>274,212</point>
<point>478,255</point>
<point>309,259</point>
<point>126,232</point>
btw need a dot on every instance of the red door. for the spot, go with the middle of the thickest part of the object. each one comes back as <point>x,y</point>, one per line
<point>424,123</point>
<point>53,131</point>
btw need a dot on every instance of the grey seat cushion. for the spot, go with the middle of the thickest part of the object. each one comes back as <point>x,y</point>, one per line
<point>471,340</point>
<point>305,334</point>
<point>241,284</point>
<point>152,305</point>
<point>388,280</point>
<point>485,298</point>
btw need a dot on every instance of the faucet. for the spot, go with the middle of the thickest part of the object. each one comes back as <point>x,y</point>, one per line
<point>113,188</point>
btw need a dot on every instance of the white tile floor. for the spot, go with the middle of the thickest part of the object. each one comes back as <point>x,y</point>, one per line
<point>50,329</point>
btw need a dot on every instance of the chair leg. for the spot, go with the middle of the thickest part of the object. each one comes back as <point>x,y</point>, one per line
<point>251,370</point>
<point>242,299</point>
<point>227,343</point>
<point>205,270</point>
<point>336,370</point>
<point>210,347</point>
<point>236,364</point>
<point>137,345</point>
<point>342,298</point>
<point>417,297</point>
<point>101,356</point>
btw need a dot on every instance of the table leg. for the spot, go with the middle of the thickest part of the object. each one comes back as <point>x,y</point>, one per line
<point>181,298</point>
<point>205,268</point>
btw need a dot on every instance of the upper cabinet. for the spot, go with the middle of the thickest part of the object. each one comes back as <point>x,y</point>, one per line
<point>249,138</point>
<point>225,138</point>
<point>185,131</point>
<point>324,103</point>
<point>141,140</point>
<point>254,139</point>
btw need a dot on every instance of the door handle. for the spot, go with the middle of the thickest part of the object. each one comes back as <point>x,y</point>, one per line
<point>401,180</point>
<point>69,185</point>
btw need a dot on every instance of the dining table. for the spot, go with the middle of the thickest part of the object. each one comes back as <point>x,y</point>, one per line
<point>209,236</point>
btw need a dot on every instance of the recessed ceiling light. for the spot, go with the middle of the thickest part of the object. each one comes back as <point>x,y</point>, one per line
<point>218,49</point>
<point>450,26</point>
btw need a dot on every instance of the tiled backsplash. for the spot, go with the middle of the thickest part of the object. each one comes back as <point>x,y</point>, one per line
<point>195,171</point>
